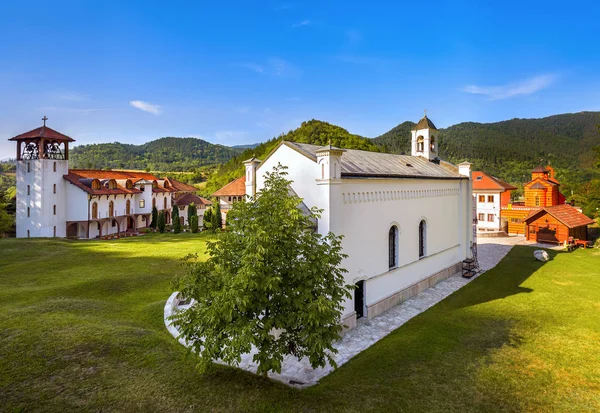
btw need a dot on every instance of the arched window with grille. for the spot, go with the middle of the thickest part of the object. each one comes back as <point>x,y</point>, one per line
<point>165,203</point>
<point>393,247</point>
<point>422,238</point>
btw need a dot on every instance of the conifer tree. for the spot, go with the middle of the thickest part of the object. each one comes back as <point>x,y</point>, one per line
<point>154,221</point>
<point>192,210</point>
<point>176,220</point>
<point>217,219</point>
<point>271,283</point>
<point>194,224</point>
<point>161,223</point>
<point>207,221</point>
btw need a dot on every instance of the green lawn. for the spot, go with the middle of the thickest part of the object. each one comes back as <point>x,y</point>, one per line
<point>81,327</point>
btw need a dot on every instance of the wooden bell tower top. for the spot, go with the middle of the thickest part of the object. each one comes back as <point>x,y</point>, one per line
<point>42,143</point>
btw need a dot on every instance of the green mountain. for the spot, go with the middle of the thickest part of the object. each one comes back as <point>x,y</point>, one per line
<point>510,149</point>
<point>315,132</point>
<point>165,154</point>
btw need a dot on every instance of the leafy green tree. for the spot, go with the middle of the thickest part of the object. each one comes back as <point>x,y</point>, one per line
<point>6,220</point>
<point>161,222</point>
<point>216,219</point>
<point>207,221</point>
<point>176,220</point>
<point>154,221</point>
<point>194,223</point>
<point>270,283</point>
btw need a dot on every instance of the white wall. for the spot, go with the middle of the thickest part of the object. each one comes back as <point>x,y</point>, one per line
<point>488,208</point>
<point>371,207</point>
<point>41,199</point>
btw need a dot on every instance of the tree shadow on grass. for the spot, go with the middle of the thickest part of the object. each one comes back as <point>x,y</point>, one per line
<point>506,278</point>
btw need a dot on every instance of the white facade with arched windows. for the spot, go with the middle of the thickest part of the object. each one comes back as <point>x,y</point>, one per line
<point>362,195</point>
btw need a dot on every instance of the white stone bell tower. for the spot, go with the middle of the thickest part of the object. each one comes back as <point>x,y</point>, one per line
<point>425,139</point>
<point>42,160</point>
<point>329,180</point>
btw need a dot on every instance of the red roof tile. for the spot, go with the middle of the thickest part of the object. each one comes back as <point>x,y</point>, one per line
<point>483,181</point>
<point>235,188</point>
<point>188,198</point>
<point>43,132</point>
<point>180,186</point>
<point>565,213</point>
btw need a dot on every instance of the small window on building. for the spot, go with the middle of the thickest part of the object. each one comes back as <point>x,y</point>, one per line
<point>164,203</point>
<point>54,188</point>
<point>54,209</point>
<point>28,212</point>
<point>95,210</point>
<point>142,187</point>
<point>490,217</point>
<point>112,184</point>
<point>54,231</point>
<point>422,239</point>
<point>393,247</point>
<point>28,189</point>
<point>229,199</point>
<point>490,198</point>
<point>537,200</point>
<point>54,167</point>
<point>28,234</point>
<point>420,144</point>
<point>113,223</point>
<point>95,184</point>
<point>481,217</point>
<point>142,203</point>
<point>111,208</point>
<point>481,198</point>
<point>28,170</point>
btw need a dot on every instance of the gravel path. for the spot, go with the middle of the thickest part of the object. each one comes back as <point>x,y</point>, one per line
<point>299,373</point>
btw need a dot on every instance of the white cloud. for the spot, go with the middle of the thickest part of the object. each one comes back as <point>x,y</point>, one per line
<point>254,67</point>
<point>145,106</point>
<point>263,125</point>
<point>524,87</point>
<point>302,23</point>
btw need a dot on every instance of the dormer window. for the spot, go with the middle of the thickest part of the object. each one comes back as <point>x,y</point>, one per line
<point>128,184</point>
<point>112,184</point>
<point>154,185</point>
<point>95,184</point>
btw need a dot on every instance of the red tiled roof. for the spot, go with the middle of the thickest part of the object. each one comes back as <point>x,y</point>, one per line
<point>565,213</point>
<point>180,186</point>
<point>483,181</point>
<point>43,132</point>
<point>235,188</point>
<point>114,174</point>
<point>188,198</point>
<point>86,185</point>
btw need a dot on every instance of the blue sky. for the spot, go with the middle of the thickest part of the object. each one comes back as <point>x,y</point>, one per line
<point>244,72</point>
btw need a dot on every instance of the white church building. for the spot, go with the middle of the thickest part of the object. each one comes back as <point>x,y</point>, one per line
<point>55,201</point>
<point>406,220</point>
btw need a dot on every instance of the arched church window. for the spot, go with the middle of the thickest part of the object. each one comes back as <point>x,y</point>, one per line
<point>432,144</point>
<point>111,209</point>
<point>128,207</point>
<point>94,210</point>
<point>537,200</point>
<point>420,144</point>
<point>28,190</point>
<point>393,247</point>
<point>422,238</point>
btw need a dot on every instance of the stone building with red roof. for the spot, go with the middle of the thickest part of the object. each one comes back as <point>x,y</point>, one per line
<point>55,201</point>
<point>491,194</point>
<point>233,192</point>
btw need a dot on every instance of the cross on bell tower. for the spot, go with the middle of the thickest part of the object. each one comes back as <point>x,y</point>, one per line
<point>45,118</point>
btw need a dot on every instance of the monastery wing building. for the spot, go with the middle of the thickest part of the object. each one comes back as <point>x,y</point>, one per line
<point>55,201</point>
<point>406,220</point>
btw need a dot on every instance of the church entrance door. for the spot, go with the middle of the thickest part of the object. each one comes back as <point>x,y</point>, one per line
<point>359,299</point>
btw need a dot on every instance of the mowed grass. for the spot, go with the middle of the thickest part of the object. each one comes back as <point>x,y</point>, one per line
<point>81,328</point>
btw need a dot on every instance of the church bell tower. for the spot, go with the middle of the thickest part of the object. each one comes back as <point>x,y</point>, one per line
<point>424,139</point>
<point>42,160</point>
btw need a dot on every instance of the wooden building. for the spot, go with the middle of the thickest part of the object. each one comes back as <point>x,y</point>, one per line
<point>556,224</point>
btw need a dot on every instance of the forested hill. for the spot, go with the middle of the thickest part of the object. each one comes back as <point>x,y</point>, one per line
<point>165,154</point>
<point>313,131</point>
<point>509,149</point>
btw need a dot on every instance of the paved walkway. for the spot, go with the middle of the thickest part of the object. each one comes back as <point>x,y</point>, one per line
<point>299,373</point>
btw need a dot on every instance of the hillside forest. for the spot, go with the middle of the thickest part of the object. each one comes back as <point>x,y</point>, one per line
<point>508,150</point>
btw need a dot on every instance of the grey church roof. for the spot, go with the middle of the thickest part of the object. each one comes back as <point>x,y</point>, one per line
<point>364,164</point>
